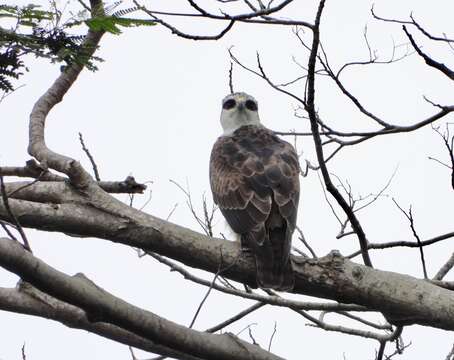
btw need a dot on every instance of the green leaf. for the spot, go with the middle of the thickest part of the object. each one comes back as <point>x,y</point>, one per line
<point>109,23</point>
<point>103,23</point>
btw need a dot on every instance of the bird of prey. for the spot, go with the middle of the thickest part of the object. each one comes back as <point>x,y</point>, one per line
<point>254,177</point>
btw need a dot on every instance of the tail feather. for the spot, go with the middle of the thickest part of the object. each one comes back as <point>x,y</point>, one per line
<point>271,254</point>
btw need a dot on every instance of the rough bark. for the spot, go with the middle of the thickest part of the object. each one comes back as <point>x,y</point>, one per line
<point>100,306</point>
<point>403,299</point>
<point>26,299</point>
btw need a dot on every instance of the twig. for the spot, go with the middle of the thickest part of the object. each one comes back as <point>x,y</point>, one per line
<point>393,244</point>
<point>85,6</point>
<point>9,233</point>
<point>272,337</point>
<point>204,298</point>
<point>381,350</point>
<point>364,321</point>
<point>172,211</point>
<point>313,117</point>
<point>90,157</point>
<point>237,317</point>
<point>428,60</point>
<point>252,337</point>
<point>341,329</point>
<point>32,170</point>
<point>445,268</point>
<point>231,78</point>
<point>303,240</point>
<point>450,355</point>
<point>409,216</point>
<point>273,300</point>
<point>24,356</point>
<point>132,353</point>
<point>12,216</point>
<point>182,34</point>
<point>449,144</point>
<point>206,223</point>
<point>444,284</point>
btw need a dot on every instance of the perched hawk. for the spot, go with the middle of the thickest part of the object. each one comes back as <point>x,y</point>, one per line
<point>254,177</point>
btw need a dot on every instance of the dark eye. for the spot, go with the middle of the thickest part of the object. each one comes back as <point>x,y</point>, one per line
<point>251,105</point>
<point>229,104</point>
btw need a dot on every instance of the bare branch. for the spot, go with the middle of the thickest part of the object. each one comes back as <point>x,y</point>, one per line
<point>231,78</point>
<point>237,317</point>
<point>180,33</point>
<point>409,216</point>
<point>303,240</point>
<point>90,157</point>
<point>13,217</point>
<point>445,268</point>
<point>277,301</point>
<point>102,306</point>
<point>330,277</point>
<point>25,299</point>
<point>272,336</point>
<point>310,108</point>
<point>31,170</point>
<point>392,244</point>
<point>450,355</point>
<point>429,61</point>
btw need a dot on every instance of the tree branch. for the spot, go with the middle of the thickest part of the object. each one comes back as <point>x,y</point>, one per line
<point>404,299</point>
<point>101,306</point>
<point>25,299</point>
<point>310,108</point>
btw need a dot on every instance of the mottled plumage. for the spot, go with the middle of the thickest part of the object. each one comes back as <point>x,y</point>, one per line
<point>254,178</point>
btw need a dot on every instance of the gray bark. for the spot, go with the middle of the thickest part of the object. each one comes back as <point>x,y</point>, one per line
<point>100,306</point>
<point>403,299</point>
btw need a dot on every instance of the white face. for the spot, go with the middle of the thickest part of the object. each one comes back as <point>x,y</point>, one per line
<point>238,109</point>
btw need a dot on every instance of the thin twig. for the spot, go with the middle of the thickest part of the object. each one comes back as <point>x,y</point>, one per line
<point>90,157</point>
<point>13,216</point>
<point>273,300</point>
<point>450,355</point>
<point>445,268</point>
<point>231,78</point>
<point>303,240</point>
<point>237,317</point>
<point>24,356</point>
<point>272,336</point>
<point>409,216</point>
<point>204,299</point>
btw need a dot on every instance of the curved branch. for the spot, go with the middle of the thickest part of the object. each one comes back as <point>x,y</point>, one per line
<point>310,108</point>
<point>429,61</point>
<point>37,146</point>
<point>101,306</point>
<point>26,299</point>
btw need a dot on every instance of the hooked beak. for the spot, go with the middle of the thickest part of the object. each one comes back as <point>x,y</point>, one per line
<point>241,103</point>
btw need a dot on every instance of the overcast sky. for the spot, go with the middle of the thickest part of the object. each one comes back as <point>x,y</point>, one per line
<point>152,110</point>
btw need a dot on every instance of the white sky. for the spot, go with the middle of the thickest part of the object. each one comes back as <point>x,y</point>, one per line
<point>152,110</point>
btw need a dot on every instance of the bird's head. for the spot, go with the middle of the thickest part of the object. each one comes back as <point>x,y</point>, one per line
<point>238,109</point>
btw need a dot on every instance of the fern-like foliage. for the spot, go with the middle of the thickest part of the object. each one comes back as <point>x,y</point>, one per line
<point>112,23</point>
<point>33,30</point>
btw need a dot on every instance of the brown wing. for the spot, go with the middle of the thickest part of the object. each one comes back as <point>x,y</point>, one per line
<point>254,178</point>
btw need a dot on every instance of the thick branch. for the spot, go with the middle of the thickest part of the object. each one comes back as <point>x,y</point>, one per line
<point>102,306</point>
<point>58,192</point>
<point>332,277</point>
<point>30,301</point>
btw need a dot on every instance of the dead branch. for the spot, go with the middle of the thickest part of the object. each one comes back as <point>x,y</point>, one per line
<point>409,216</point>
<point>90,157</point>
